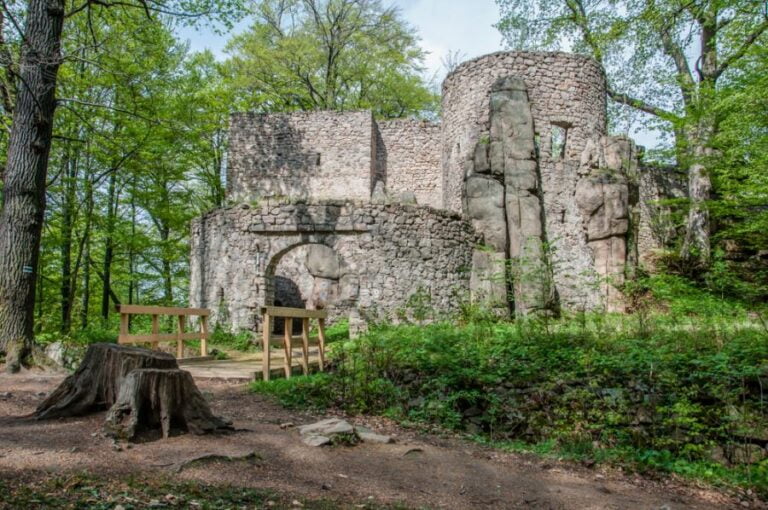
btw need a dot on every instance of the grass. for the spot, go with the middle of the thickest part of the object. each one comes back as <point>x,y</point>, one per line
<point>648,462</point>
<point>664,389</point>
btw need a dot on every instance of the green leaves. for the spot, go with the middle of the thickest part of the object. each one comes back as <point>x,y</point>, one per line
<point>683,388</point>
<point>333,54</point>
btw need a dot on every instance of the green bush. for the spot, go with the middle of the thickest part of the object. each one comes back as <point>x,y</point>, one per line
<point>667,391</point>
<point>241,341</point>
<point>337,331</point>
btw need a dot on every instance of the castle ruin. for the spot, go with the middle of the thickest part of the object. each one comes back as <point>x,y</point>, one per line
<point>518,200</point>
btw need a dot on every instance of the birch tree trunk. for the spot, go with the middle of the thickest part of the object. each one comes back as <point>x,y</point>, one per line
<point>21,218</point>
<point>696,245</point>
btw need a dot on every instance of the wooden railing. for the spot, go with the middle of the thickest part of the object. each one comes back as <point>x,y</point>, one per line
<point>156,337</point>
<point>269,314</point>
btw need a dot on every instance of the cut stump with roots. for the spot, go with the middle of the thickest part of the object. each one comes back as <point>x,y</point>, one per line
<point>168,400</point>
<point>95,384</point>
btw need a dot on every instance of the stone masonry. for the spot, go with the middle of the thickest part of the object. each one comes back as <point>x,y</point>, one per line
<point>517,199</point>
<point>388,254</point>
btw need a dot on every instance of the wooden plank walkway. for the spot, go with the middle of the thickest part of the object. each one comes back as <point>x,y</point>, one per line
<point>244,367</point>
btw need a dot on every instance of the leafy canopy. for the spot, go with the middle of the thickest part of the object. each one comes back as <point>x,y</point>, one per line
<point>329,54</point>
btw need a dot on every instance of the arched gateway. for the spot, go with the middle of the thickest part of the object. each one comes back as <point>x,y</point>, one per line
<point>389,253</point>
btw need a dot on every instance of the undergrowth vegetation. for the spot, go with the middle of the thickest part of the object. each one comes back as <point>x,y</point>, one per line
<point>131,493</point>
<point>678,386</point>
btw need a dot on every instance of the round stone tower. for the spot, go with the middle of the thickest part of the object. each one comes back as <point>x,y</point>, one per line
<point>566,92</point>
<point>514,128</point>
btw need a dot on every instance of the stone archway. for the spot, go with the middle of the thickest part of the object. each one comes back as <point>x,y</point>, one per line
<point>390,252</point>
<point>314,276</point>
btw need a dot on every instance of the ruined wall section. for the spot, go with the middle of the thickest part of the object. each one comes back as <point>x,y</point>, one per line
<point>656,228</point>
<point>390,252</point>
<point>319,155</point>
<point>408,156</point>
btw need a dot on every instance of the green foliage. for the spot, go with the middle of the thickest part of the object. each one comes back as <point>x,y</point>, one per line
<point>337,332</point>
<point>97,493</point>
<point>241,341</point>
<point>331,54</point>
<point>682,382</point>
<point>644,460</point>
<point>303,392</point>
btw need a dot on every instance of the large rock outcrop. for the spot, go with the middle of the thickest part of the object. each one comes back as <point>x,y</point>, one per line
<point>503,199</point>
<point>513,154</point>
<point>607,170</point>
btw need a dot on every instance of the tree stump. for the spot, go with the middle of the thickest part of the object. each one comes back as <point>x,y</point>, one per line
<point>94,385</point>
<point>151,399</point>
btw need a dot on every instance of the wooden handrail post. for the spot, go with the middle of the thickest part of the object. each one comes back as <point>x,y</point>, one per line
<point>155,330</point>
<point>321,341</point>
<point>269,313</point>
<point>288,333</point>
<point>123,323</point>
<point>265,338</point>
<point>180,337</point>
<point>204,336</point>
<point>305,345</point>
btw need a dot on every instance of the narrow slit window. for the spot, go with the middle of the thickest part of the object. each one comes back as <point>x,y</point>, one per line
<point>559,139</point>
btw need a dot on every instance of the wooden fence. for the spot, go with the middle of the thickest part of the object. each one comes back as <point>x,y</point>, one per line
<point>269,313</point>
<point>156,337</point>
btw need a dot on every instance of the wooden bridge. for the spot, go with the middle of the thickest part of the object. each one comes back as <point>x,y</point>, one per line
<point>241,367</point>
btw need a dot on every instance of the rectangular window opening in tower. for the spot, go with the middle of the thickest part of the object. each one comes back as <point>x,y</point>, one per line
<point>559,141</point>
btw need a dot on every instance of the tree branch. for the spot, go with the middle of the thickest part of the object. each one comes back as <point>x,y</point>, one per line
<point>580,18</point>
<point>684,75</point>
<point>641,105</point>
<point>739,53</point>
<point>106,107</point>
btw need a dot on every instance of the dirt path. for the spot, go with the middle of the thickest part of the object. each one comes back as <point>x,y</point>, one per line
<point>419,471</point>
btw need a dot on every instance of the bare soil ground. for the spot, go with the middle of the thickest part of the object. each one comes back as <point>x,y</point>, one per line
<point>421,471</point>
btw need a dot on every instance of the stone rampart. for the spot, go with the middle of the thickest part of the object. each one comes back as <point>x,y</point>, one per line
<point>389,253</point>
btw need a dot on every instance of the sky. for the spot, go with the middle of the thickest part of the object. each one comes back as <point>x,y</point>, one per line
<point>444,26</point>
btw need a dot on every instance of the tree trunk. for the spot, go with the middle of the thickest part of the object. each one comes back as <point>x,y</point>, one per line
<point>95,384</point>
<point>696,245</point>
<point>86,297</point>
<point>109,247</point>
<point>152,401</point>
<point>67,220</point>
<point>21,219</point>
<point>131,256</point>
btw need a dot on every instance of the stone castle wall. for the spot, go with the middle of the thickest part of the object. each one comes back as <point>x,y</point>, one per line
<point>566,94</point>
<point>563,89</point>
<point>324,155</point>
<point>520,162</point>
<point>656,228</point>
<point>408,154</point>
<point>389,252</point>
<point>333,156</point>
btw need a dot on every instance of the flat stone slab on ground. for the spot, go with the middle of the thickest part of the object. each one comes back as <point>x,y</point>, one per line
<point>323,432</point>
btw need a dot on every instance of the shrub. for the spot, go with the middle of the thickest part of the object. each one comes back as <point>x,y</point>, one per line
<point>685,386</point>
<point>241,341</point>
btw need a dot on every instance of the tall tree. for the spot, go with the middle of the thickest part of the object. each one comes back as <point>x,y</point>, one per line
<point>24,186</point>
<point>21,218</point>
<point>330,54</point>
<point>665,58</point>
